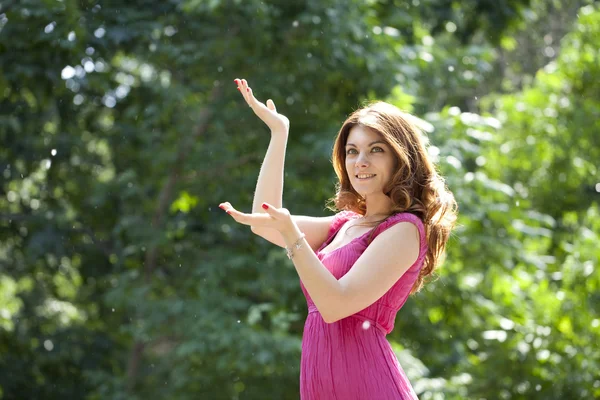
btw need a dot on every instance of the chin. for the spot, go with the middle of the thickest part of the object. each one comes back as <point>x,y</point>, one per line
<point>364,194</point>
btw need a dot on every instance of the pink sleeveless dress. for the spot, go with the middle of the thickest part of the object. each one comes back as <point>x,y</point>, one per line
<point>351,359</point>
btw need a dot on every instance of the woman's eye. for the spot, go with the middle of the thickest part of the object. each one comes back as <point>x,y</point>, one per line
<point>377,149</point>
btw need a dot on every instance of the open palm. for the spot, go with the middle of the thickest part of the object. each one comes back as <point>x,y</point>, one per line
<point>267,113</point>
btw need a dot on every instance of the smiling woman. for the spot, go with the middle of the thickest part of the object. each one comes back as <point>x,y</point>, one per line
<point>380,139</point>
<point>369,164</point>
<point>354,284</point>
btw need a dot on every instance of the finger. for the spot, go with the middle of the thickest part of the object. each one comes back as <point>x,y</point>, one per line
<point>252,101</point>
<point>248,92</point>
<point>272,211</point>
<point>249,96</point>
<point>227,207</point>
<point>260,219</point>
<point>271,105</point>
<point>244,90</point>
<point>277,213</point>
<point>239,85</point>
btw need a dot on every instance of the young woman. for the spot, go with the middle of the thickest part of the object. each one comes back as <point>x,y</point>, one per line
<point>357,267</point>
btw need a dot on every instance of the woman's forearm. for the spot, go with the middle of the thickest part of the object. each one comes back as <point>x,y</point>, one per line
<point>324,289</point>
<point>269,188</point>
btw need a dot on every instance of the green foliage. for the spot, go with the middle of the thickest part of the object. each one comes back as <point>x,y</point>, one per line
<point>121,131</point>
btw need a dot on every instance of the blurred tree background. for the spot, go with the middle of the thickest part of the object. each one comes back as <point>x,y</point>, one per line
<point>122,131</point>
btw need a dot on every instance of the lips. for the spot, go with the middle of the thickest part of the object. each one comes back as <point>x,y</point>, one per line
<point>364,179</point>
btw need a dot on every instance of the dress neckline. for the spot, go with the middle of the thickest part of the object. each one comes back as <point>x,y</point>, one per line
<point>328,241</point>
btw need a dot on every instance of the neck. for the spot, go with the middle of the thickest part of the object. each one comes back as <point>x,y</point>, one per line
<point>379,209</point>
<point>373,217</point>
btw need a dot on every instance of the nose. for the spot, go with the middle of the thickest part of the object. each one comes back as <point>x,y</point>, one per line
<point>361,160</point>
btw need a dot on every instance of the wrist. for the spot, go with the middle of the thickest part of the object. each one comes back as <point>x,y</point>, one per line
<point>293,238</point>
<point>291,233</point>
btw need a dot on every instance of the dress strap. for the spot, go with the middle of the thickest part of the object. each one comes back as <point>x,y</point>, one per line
<point>338,221</point>
<point>404,217</point>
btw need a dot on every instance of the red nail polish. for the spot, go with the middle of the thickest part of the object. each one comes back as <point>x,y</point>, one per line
<point>248,89</point>
<point>239,89</point>
<point>265,206</point>
<point>229,212</point>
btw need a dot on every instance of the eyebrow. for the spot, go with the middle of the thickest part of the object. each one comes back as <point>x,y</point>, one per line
<point>370,144</point>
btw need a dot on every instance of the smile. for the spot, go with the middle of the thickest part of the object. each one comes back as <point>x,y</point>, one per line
<point>364,177</point>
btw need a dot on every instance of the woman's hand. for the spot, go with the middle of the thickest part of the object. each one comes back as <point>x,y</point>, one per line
<point>275,218</point>
<point>276,122</point>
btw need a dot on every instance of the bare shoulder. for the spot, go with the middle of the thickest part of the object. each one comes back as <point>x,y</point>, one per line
<point>402,235</point>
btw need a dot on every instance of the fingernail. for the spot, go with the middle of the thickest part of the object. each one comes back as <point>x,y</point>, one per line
<point>248,89</point>
<point>239,89</point>
<point>229,212</point>
<point>265,206</point>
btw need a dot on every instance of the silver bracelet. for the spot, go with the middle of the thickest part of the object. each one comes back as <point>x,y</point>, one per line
<point>297,244</point>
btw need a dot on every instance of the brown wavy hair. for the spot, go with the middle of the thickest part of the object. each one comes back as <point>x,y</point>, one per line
<point>415,187</point>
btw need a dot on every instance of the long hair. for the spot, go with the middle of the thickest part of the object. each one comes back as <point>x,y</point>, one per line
<point>415,187</point>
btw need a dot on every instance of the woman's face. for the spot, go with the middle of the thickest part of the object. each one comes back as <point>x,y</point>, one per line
<point>369,155</point>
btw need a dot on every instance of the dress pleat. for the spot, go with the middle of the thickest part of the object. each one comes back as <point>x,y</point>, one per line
<point>351,359</point>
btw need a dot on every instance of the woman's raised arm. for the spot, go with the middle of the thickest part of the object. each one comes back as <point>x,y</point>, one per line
<point>269,188</point>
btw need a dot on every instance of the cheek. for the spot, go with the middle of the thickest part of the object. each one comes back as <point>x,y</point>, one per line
<point>391,165</point>
<point>349,168</point>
